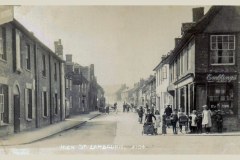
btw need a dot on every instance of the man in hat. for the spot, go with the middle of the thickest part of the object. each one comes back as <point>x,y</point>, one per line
<point>168,110</point>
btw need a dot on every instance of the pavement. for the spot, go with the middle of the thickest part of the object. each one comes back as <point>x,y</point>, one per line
<point>27,137</point>
<point>170,133</point>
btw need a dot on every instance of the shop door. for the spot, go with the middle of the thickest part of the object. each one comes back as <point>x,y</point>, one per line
<point>16,113</point>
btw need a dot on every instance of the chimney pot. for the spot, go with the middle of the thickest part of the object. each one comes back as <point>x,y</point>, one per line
<point>69,58</point>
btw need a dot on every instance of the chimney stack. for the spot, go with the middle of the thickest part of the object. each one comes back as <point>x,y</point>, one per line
<point>59,48</point>
<point>177,41</point>
<point>68,58</point>
<point>163,57</point>
<point>198,13</point>
<point>186,27</point>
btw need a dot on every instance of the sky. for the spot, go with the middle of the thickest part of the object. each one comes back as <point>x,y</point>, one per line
<point>125,43</point>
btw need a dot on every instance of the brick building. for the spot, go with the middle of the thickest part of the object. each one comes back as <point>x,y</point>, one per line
<point>31,81</point>
<point>204,66</point>
<point>81,87</point>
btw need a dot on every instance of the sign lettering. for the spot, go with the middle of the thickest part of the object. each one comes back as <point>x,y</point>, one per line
<point>221,78</point>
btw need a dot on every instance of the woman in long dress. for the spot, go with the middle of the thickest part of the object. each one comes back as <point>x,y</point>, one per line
<point>206,119</point>
<point>158,121</point>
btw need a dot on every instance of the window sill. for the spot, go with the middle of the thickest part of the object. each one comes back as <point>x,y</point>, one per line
<point>2,124</point>
<point>28,70</point>
<point>3,60</point>
<point>44,77</point>
<point>45,117</point>
<point>223,64</point>
<point>19,70</point>
<point>29,120</point>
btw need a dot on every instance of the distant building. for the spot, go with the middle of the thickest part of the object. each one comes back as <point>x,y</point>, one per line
<point>82,89</point>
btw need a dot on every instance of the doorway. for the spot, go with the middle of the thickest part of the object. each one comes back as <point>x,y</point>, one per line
<point>16,113</point>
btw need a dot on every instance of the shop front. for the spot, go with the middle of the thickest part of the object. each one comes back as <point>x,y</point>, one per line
<point>219,92</point>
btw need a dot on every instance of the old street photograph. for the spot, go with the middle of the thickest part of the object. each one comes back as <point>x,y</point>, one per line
<point>147,79</point>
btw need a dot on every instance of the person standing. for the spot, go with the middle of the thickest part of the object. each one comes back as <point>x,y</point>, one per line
<point>193,121</point>
<point>164,124</point>
<point>219,120</point>
<point>157,122</point>
<point>174,120</point>
<point>206,119</point>
<point>149,117</point>
<point>140,114</point>
<point>107,110</point>
<point>115,107</point>
<point>182,119</point>
<point>168,111</point>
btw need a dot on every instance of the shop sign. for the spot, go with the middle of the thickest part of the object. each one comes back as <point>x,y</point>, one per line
<point>221,78</point>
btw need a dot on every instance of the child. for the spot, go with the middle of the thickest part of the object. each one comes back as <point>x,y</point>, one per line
<point>164,124</point>
<point>157,121</point>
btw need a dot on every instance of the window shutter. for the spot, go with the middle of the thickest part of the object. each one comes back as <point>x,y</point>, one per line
<point>9,103</point>
<point>33,104</point>
<point>47,104</point>
<point>1,103</point>
<point>1,46</point>
<point>26,103</point>
<point>42,104</point>
<point>26,51</point>
<point>18,50</point>
<point>58,106</point>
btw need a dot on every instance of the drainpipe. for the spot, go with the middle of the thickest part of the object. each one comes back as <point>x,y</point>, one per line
<point>50,88</point>
<point>36,86</point>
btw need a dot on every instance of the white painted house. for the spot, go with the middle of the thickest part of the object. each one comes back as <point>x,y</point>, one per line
<point>163,98</point>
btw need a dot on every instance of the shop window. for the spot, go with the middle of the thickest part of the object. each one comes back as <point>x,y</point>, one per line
<point>220,97</point>
<point>182,99</point>
<point>191,96</point>
<point>4,116</point>
<point>222,49</point>
<point>201,97</point>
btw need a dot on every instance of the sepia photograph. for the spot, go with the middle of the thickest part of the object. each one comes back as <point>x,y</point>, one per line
<point>127,79</point>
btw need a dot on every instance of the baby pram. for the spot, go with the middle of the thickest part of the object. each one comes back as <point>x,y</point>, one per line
<point>148,128</point>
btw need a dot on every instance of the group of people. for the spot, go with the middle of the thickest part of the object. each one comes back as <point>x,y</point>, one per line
<point>195,122</point>
<point>150,118</point>
<point>128,107</point>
